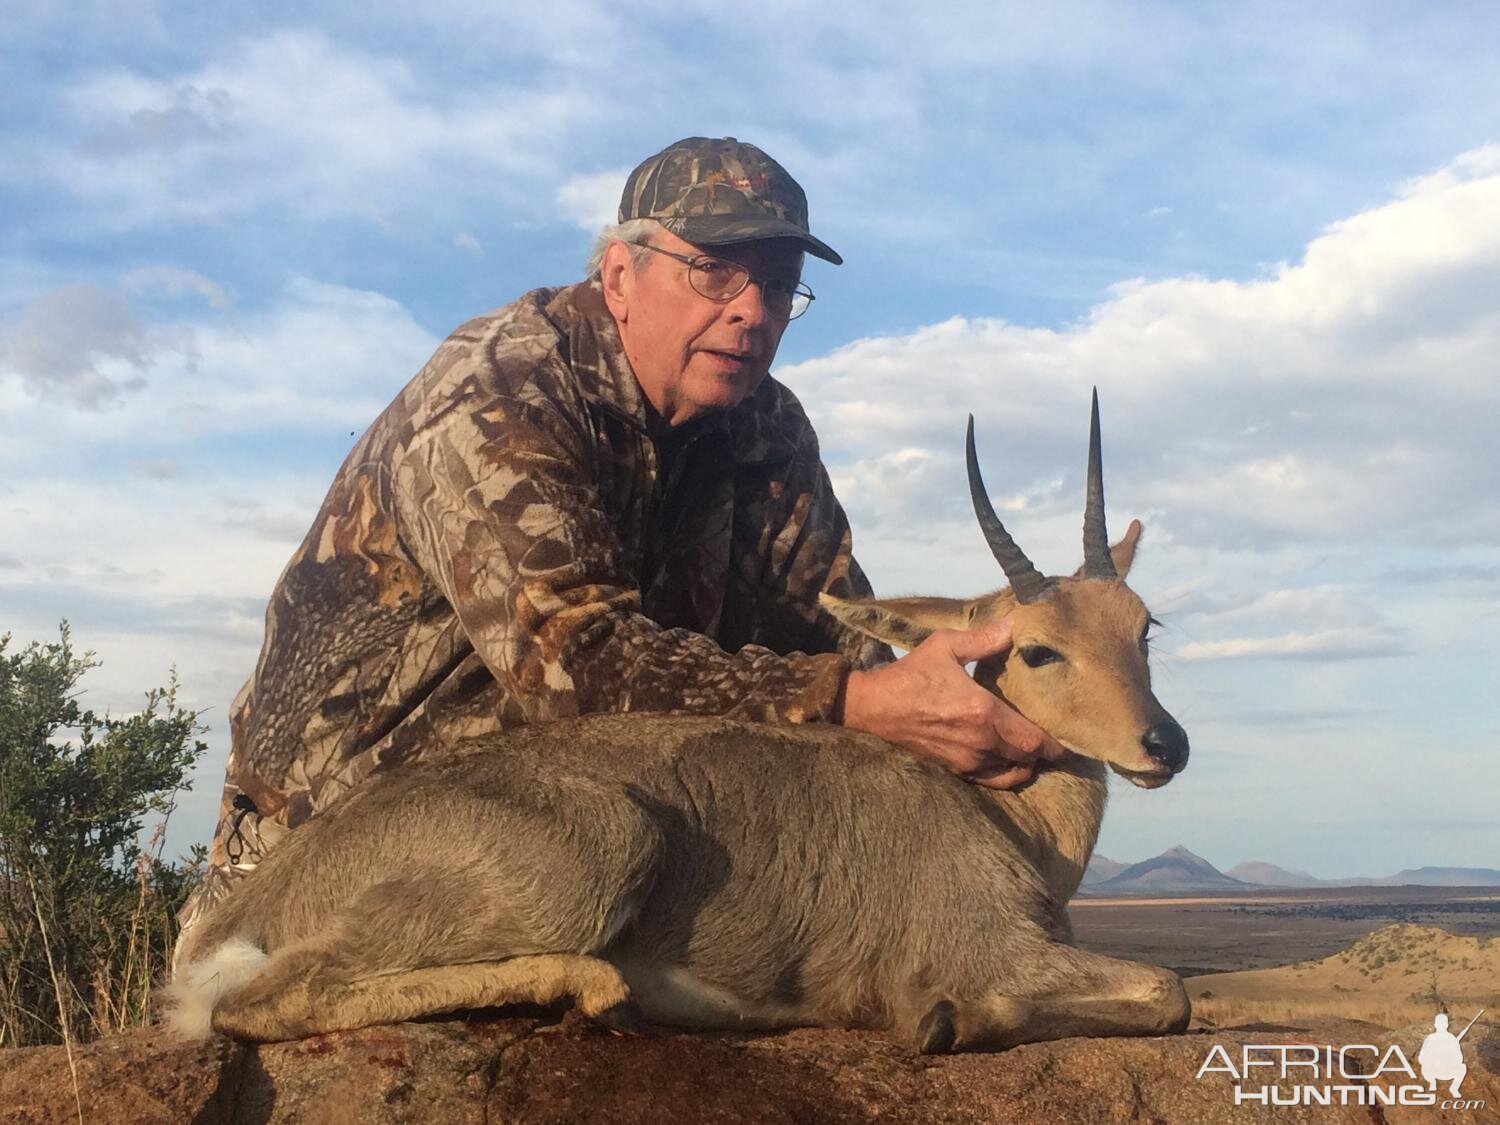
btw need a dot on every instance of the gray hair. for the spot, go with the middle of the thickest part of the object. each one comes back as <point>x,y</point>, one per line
<point>635,233</point>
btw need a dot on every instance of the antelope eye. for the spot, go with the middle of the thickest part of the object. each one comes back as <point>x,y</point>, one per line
<point>1037,655</point>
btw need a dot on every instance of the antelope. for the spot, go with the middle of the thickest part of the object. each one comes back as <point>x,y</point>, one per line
<point>705,873</point>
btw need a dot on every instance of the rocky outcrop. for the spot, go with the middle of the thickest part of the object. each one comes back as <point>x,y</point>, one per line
<point>523,1070</point>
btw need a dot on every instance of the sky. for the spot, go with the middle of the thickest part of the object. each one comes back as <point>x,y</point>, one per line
<point>1269,234</point>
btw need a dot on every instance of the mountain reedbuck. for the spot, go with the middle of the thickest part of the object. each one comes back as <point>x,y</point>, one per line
<point>709,873</point>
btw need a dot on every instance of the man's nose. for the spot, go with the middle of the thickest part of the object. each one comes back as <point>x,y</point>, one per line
<point>749,304</point>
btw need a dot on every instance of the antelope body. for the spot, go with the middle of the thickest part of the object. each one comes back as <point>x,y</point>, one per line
<point>709,873</point>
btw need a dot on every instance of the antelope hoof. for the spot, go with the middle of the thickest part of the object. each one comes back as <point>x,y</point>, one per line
<point>938,1030</point>
<point>623,1018</point>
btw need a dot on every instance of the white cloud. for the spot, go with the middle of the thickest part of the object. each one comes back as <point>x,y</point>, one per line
<point>292,118</point>
<point>158,468</point>
<point>154,514</point>
<point>170,281</point>
<point>82,342</point>
<point>592,201</point>
<point>1328,644</point>
<point>322,357</point>
<point>1348,396</point>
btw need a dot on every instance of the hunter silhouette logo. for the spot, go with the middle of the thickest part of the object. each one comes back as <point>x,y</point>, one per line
<point>1441,1058</point>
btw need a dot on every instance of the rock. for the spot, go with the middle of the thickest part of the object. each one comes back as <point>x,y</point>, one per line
<point>492,1069</point>
<point>146,1076</point>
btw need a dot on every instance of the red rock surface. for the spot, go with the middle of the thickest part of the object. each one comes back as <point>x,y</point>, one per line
<point>520,1070</point>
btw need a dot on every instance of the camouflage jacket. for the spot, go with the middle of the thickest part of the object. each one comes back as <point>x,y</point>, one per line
<point>507,544</point>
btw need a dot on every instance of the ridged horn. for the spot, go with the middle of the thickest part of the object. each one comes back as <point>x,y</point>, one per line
<point>1097,562</point>
<point>1025,582</point>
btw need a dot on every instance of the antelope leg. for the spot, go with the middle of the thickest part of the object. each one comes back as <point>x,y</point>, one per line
<point>1069,992</point>
<point>299,994</point>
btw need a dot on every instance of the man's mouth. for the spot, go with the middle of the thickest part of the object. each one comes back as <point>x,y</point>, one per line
<point>731,358</point>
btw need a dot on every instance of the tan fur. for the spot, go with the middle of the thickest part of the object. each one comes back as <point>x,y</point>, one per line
<point>1099,698</point>
<point>284,1004</point>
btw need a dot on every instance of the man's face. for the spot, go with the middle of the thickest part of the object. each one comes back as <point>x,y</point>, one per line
<point>692,355</point>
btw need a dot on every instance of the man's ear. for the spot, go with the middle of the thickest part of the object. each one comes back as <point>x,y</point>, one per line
<point>617,277</point>
<point>1123,552</point>
<point>906,622</point>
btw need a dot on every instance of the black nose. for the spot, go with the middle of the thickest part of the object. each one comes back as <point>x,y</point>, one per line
<point>1168,744</point>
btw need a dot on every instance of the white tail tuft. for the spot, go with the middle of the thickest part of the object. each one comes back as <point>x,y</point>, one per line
<point>195,989</point>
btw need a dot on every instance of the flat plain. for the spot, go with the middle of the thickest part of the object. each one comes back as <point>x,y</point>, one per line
<point>1262,929</point>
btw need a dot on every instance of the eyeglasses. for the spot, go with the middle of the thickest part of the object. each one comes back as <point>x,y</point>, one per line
<point>721,280</point>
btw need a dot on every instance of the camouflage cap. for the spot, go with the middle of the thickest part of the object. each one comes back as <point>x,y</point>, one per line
<point>716,191</point>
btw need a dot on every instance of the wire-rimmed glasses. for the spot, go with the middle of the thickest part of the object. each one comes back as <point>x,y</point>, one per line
<point>721,280</point>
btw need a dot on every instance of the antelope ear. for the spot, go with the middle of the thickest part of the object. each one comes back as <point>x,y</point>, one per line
<point>1123,552</point>
<point>904,622</point>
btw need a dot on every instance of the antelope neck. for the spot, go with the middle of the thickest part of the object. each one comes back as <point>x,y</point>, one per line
<point>1059,815</point>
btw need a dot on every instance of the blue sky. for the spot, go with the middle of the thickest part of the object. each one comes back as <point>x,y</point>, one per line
<point>1269,233</point>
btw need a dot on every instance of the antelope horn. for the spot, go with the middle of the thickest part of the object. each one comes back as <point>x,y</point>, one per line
<point>1024,579</point>
<point>1097,562</point>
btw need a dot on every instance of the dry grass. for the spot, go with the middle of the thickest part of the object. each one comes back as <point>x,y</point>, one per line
<point>1398,975</point>
<point>98,967</point>
<point>1227,1012</point>
<point>61,1002</point>
<point>122,986</point>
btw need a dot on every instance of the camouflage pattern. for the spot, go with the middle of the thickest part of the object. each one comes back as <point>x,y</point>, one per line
<point>507,545</point>
<point>712,192</point>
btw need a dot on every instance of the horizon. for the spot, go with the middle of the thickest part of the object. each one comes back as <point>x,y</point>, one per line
<point>1271,239</point>
<point>1224,869</point>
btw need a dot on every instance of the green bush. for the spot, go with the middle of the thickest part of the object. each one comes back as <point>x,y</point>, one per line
<point>87,907</point>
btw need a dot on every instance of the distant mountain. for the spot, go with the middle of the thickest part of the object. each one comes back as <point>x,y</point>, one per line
<point>1100,868</point>
<point>1179,871</point>
<point>1433,877</point>
<point>1175,871</point>
<point>1269,875</point>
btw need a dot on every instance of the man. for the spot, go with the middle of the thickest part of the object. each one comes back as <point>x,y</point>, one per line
<point>593,499</point>
<point>1441,1058</point>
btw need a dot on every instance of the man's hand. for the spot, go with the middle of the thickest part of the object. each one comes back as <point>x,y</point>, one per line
<point>927,702</point>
